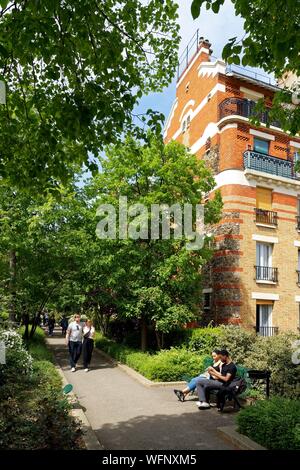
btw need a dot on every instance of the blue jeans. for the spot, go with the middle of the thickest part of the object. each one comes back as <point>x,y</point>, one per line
<point>193,383</point>
<point>74,351</point>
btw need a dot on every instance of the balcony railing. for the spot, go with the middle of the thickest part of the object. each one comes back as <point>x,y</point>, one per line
<point>263,216</point>
<point>265,273</point>
<point>243,107</point>
<point>265,163</point>
<point>298,222</point>
<point>267,330</point>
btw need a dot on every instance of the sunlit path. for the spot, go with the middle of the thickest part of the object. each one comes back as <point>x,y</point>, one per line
<point>127,415</point>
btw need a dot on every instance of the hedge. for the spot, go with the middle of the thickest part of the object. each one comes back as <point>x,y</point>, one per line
<point>34,414</point>
<point>164,366</point>
<point>255,352</point>
<point>273,423</point>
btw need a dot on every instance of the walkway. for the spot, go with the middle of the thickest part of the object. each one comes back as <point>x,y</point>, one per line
<point>126,415</point>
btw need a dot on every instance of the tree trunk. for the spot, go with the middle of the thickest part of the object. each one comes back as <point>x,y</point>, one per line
<point>26,324</point>
<point>12,285</point>
<point>144,342</point>
<point>159,340</point>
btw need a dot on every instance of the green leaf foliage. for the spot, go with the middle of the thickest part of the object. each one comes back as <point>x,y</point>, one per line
<point>74,71</point>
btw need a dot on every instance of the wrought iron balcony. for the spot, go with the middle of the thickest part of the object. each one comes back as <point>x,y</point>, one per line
<point>243,107</point>
<point>265,163</point>
<point>298,222</point>
<point>266,273</point>
<point>263,216</point>
<point>267,330</point>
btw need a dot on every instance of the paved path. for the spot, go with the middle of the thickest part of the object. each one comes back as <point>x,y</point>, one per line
<point>126,415</point>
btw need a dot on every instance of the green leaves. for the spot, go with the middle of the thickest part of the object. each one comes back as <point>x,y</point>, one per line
<point>196,6</point>
<point>74,75</point>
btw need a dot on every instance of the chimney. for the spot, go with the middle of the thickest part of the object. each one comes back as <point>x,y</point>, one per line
<point>204,46</point>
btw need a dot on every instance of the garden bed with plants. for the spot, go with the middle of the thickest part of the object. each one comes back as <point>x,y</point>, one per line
<point>34,413</point>
<point>273,423</point>
<point>190,356</point>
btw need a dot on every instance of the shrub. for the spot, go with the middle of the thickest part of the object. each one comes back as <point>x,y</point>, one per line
<point>273,423</point>
<point>275,354</point>
<point>172,365</point>
<point>204,340</point>
<point>18,360</point>
<point>45,373</point>
<point>166,366</point>
<point>34,414</point>
<point>237,341</point>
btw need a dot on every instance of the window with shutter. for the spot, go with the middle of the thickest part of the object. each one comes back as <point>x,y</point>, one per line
<point>264,198</point>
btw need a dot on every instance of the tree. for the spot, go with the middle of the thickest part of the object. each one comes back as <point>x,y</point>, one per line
<point>158,280</point>
<point>74,71</point>
<point>272,42</point>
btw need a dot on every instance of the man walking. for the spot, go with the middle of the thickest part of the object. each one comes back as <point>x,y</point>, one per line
<point>223,379</point>
<point>74,341</point>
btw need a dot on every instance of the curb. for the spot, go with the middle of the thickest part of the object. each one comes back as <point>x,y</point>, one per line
<point>230,434</point>
<point>89,436</point>
<point>136,375</point>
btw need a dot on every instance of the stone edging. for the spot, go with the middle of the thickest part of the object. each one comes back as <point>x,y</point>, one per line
<point>230,434</point>
<point>89,437</point>
<point>136,375</point>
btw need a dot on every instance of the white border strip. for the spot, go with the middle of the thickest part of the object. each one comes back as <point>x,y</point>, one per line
<point>264,296</point>
<point>264,238</point>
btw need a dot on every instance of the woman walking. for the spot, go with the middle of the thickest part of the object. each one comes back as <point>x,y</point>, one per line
<point>88,344</point>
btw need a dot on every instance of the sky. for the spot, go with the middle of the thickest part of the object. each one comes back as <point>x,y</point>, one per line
<point>218,28</point>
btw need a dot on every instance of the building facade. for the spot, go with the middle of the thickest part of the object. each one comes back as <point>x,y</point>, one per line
<point>254,276</point>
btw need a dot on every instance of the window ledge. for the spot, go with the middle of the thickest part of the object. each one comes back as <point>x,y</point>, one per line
<point>259,281</point>
<point>267,225</point>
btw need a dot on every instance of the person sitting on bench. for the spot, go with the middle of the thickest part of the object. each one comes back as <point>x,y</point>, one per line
<point>191,386</point>
<point>223,379</point>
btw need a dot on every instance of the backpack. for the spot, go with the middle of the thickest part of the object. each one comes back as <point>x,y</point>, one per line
<point>239,385</point>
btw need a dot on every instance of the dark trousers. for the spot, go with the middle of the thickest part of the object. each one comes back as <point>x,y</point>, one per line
<point>205,386</point>
<point>74,351</point>
<point>87,350</point>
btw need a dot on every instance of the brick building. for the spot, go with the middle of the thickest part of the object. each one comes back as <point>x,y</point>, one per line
<point>254,277</point>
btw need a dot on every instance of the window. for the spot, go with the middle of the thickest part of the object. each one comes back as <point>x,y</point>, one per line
<point>261,146</point>
<point>188,122</point>
<point>206,301</point>
<point>183,126</point>
<point>264,271</point>
<point>264,254</point>
<point>298,206</point>
<point>263,198</point>
<point>264,319</point>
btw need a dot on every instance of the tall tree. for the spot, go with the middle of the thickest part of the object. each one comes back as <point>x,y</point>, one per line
<point>74,71</point>
<point>160,279</point>
<point>272,42</point>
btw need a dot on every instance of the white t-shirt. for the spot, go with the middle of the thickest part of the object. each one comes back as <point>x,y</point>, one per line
<point>75,331</point>
<point>86,329</point>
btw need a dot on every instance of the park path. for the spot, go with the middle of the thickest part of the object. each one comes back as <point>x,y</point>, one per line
<point>127,415</point>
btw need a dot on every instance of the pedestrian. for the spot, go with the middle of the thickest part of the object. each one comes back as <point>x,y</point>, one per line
<point>64,325</point>
<point>46,318</point>
<point>88,344</point>
<point>51,325</point>
<point>74,341</point>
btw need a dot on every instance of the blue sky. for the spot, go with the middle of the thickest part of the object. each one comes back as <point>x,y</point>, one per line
<point>218,28</point>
